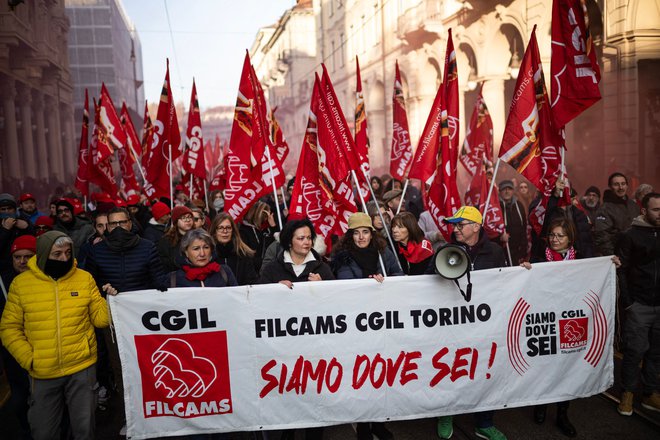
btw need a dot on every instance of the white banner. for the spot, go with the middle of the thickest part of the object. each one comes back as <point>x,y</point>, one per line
<point>332,352</point>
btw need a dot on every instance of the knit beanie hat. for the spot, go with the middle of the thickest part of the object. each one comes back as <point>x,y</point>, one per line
<point>159,209</point>
<point>24,242</point>
<point>178,212</point>
<point>592,189</point>
<point>45,244</point>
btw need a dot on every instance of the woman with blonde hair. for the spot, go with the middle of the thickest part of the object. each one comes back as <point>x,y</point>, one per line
<point>231,249</point>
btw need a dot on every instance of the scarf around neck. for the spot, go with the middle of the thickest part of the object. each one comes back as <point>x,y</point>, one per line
<point>416,252</point>
<point>551,255</point>
<point>366,259</point>
<point>200,273</point>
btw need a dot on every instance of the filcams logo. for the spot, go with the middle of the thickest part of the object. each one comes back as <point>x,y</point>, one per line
<point>184,376</point>
<point>552,333</point>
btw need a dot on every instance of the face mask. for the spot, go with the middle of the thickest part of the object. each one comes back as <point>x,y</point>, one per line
<point>218,204</point>
<point>57,269</point>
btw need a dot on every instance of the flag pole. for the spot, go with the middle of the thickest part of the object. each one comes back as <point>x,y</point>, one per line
<point>272,181</point>
<point>206,196</point>
<point>490,190</point>
<point>364,207</point>
<point>403,195</point>
<point>190,185</point>
<point>169,168</point>
<point>284,197</point>
<point>137,161</point>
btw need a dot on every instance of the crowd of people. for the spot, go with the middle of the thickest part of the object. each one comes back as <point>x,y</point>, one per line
<point>58,266</point>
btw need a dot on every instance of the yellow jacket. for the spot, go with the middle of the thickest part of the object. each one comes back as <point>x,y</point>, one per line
<point>48,325</point>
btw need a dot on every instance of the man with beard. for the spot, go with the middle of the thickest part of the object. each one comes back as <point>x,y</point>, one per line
<point>616,214</point>
<point>28,207</point>
<point>591,203</point>
<point>639,283</point>
<point>77,228</point>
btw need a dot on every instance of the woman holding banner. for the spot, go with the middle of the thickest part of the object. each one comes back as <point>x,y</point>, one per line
<point>198,268</point>
<point>414,252</point>
<point>560,247</point>
<point>231,250</point>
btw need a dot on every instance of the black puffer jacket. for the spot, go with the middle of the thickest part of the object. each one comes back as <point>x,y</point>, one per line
<point>242,267</point>
<point>277,270</point>
<point>133,267</point>
<point>484,254</point>
<point>613,218</point>
<point>347,268</point>
<point>639,274</point>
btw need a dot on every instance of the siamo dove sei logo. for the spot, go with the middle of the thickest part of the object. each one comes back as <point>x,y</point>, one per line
<point>580,330</point>
<point>184,375</point>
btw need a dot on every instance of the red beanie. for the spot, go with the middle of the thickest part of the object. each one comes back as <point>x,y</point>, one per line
<point>159,209</point>
<point>27,242</point>
<point>178,212</point>
<point>44,220</point>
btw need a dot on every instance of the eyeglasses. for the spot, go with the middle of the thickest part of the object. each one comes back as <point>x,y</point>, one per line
<point>118,223</point>
<point>556,236</point>
<point>186,218</point>
<point>460,226</point>
<point>63,211</point>
<point>223,228</point>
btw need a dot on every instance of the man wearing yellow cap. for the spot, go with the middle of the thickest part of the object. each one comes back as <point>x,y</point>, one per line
<point>484,254</point>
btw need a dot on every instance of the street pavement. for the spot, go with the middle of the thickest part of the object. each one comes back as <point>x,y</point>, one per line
<point>595,418</point>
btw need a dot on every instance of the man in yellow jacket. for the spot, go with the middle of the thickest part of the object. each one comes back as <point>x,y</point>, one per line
<point>48,326</point>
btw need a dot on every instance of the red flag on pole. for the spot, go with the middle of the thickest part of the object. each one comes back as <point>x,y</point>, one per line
<point>147,131</point>
<point>424,162</point>
<point>530,143</point>
<point>116,138</point>
<point>450,102</point>
<point>476,196</point>
<point>128,155</point>
<point>361,136</point>
<point>277,138</point>
<point>401,152</point>
<point>166,136</point>
<point>478,142</point>
<point>574,67</point>
<point>100,171</point>
<point>82,177</point>
<point>194,166</point>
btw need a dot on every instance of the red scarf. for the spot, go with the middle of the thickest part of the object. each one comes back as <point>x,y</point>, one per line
<point>200,273</point>
<point>416,252</point>
<point>551,255</point>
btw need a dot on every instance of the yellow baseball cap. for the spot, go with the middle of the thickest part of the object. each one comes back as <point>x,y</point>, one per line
<point>469,213</point>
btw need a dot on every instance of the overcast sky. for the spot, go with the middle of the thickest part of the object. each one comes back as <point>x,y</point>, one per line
<point>210,39</point>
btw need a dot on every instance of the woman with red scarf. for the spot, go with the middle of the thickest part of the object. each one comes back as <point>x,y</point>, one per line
<point>198,268</point>
<point>560,241</point>
<point>414,251</point>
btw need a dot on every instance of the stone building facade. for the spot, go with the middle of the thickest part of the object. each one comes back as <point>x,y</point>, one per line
<point>37,146</point>
<point>621,132</point>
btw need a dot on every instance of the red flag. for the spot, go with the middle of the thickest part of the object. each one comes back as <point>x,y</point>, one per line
<point>82,177</point>
<point>478,142</point>
<point>361,136</point>
<point>116,138</point>
<point>128,155</point>
<point>401,153</point>
<point>277,138</point>
<point>476,196</point>
<point>530,143</point>
<point>574,67</point>
<point>166,138</point>
<point>100,171</point>
<point>424,163</point>
<point>147,130</point>
<point>443,198</point>
<point>194,166</point>
<point>313,196</point>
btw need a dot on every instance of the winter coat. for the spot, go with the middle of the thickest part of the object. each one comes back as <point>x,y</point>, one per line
<point>257,240</point>
<point>79,231</point>
<point>346,268</point>
<point>513,214</point>
<point>136,268</point>
<point>48,325</point>
<point>277,270</point>
<point>217,279</point>
<point>484,254</point>
<point>168,253</point>
<point>639,274</point>
<point>242,267</point>
<point>614,217</point>
<point>153,232</point>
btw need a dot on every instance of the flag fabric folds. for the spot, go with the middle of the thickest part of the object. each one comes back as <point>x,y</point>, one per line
<point>114,133</point>
<point>361,136</point>
<point>194,164</point>
<point>478,142</point>
<point>165,138</point>
<point>476,196</point>
<point>401,152</point>
<point>129,154</point>
<point>82,176</point>
<point>100,170</point>
<point>573,66</point>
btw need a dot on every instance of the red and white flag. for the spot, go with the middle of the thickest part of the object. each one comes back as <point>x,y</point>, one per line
<point>277,138</point>
<point>313,193</point>
<point>478,142</point>
<point>574,67</point>
<point>194,166</point>
<point>82,176</point>
<point>401,152</point>
<point>165,139</point>
<point>100,169</point>
<point>115,136</point>
<point>530,143</point>
<point>476,196</point>
<point>147,132</point>
<point>424,163</point>
<point>129,154</point>
<point>361,136</point>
